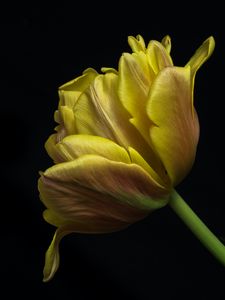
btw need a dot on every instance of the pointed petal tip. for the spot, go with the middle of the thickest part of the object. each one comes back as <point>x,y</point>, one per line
<point>136,43</point>
<point>201,55</point>
<point>211,42</point>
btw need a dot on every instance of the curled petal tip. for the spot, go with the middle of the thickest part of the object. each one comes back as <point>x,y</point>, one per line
<point>201,55</point>
<point>166,42</point>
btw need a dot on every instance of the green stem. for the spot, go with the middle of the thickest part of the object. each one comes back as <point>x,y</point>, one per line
<point>208,239</point>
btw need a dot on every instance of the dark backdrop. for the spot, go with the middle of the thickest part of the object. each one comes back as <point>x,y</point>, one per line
<point>157,258</point>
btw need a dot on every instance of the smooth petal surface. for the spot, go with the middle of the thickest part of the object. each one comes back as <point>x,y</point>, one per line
<point>176,130</point>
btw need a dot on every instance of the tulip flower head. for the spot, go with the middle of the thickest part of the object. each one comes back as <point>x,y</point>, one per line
<point>125,138</point>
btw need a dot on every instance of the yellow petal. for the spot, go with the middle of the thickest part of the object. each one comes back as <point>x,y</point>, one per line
<point>67,119</point>
<point>96,106</point>
<point>133,90</point>
<point>158,57</point>
<point>176,131</point>
<point>52,254</point>
<point>109,70</point>
<point>134,83</point>
<point>83,224</point>
<point>136,158</point>
<point>51,149</point>
<point>53,218</point>
<point>64,116</point>
<point>75,188</point>
<point>70,91</point>
<point>99,112</point>
<point>166,42</point>
<point>74,146</point>
<point>201,55</point>
<point>137,44</point>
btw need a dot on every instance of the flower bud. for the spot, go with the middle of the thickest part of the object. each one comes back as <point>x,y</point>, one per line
<point>125,138</point>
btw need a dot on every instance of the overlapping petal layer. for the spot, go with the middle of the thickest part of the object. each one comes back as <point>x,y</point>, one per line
<point>176,130</point>
<point>124,139</point>
<point>92,194</point>
<point>99,112</point>
<point>63,187</point>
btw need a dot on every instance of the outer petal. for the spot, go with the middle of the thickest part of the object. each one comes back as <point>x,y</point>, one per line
<point>84,225</point>
<point>52,254</point>
<point>79,202</point>
<point>176,131</point>
<point>201,55</point>
<point>73,189</point>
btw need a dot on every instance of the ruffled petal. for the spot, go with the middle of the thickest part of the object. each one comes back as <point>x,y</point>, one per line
<point>133,89</point>
<point>137,44</point>
<point>158,56</point>
<point>176,130</point>
<point>134,84</point>
<point>70,91</point>
<point>99,112</point>
<point>134,81</point>
<point>69,94</point>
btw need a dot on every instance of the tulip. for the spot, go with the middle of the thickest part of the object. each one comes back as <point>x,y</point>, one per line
<point>124,139</point>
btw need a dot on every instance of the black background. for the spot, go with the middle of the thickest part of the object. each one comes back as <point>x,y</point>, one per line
<point>157,258</point>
